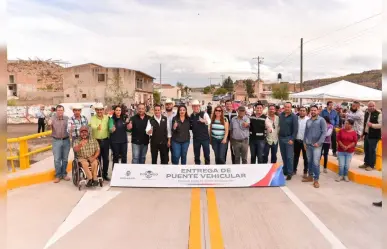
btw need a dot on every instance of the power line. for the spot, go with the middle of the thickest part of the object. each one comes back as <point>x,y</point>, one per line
<point>290,54</point>
<point>342,28</point>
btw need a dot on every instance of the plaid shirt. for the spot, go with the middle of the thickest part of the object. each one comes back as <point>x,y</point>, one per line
<point>89,149</point>
<point>78,124</point>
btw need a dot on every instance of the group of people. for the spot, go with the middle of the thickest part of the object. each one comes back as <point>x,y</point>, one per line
<point>168,135</point>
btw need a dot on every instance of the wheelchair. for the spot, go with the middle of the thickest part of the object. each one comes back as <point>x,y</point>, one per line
<point>79,176</point>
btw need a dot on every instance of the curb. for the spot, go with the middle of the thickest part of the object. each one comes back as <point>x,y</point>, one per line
<point>356,177</point>
<point>41,177</point>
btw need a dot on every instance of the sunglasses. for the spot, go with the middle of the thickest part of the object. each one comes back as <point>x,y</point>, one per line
<point>218,110</point>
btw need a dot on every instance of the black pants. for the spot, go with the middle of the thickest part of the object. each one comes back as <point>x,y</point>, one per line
<point>334,144</point>
<point>163,149</point>
<point>298,147</point>
<point>120,149</point>
<point>205,144</point>
<point>41,125</point>
<point>324,152</point>
<point>104,146</point>
<point>232,152</point>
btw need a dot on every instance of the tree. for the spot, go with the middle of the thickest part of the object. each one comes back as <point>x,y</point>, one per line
<point>228,84</point>
<point>116,92</point>
<point>186,90</point>
<point>281,92</point>
<point>249,86</point>
<point>207,90</point>
<point>156,97</point>
<point>220,91</point>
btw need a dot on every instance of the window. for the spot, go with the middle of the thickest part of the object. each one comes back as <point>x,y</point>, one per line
<point>139,83</point>
<point>12,79</point>
<point>101,77</point>
<point>83,96</point>
<point>10,87</point>
<point>77,76</point>
<point>67,95</point>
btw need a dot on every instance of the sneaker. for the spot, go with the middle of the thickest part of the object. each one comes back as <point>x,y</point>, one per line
<point>316,184</point>
<point>339,178</point>
<point>308,179</point>
<point>89,183</point>
<point>56,180</point>
<point>377,204</point>
<point>363,166</point>
<point>325,171</point>
<point>369,168</point>
<point>346,178</point>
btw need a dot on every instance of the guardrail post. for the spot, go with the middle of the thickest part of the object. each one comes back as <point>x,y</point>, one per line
<point>24,159</point>
<point>379,163</point>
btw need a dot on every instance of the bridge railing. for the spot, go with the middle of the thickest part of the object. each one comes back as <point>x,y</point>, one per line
<point>18,150</point>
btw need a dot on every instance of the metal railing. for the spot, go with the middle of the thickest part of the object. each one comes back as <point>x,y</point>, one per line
<point>22,153</point>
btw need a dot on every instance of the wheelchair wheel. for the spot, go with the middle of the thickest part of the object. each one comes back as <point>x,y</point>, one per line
<point>75,174</point>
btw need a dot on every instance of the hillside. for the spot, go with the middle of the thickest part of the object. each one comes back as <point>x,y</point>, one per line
<point>371,78</point>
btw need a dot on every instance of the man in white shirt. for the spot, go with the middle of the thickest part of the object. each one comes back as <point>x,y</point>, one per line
<point>159,130</point>
<point>272,127</point>
<point>169,114</point>
<point>299,141</point>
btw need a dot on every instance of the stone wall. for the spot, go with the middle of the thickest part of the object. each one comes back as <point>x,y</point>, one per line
<point>24,114</point>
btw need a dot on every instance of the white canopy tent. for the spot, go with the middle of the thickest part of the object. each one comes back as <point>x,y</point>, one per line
<point>341,90</point>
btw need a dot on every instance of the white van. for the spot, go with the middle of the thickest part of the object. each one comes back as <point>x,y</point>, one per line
<point>87,110</point>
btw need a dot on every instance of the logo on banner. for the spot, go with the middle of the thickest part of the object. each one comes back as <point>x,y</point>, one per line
<point>149,174</point>
<point>127,176</point>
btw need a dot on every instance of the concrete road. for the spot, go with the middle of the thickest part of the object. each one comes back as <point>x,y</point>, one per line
<point>338,215</point>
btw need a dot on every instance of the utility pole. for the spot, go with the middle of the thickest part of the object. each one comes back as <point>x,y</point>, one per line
<point>259,61</point>
<point>301,68</point>
<point>222,79</point>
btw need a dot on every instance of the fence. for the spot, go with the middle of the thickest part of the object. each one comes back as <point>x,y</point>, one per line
<point>22,154</point>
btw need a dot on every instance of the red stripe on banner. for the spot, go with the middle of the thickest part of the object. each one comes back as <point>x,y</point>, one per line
<point>264,182</point>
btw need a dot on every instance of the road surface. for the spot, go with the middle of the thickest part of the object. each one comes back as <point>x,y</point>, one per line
<point>337,215</point>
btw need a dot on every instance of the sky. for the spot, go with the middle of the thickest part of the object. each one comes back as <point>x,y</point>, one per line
<point>198,41</point>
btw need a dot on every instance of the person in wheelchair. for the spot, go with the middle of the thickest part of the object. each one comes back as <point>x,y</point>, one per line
<point>87,152</point>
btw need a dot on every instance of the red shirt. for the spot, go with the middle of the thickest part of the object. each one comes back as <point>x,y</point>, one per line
<point>346,137</point>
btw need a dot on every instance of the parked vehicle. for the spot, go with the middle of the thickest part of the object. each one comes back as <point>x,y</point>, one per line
<point>215,98</point>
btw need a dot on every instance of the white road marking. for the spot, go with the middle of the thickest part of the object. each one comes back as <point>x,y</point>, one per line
<point>89,204</point>
<point>335,242</point>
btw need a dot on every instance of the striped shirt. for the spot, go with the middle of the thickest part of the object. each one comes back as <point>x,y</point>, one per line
<point>217,129</point>
<point>78,124</point>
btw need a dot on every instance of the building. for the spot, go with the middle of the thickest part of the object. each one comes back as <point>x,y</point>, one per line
<point>94,83</point>
<point>167,91</point>
<point>241,94</point>
<point>35,81</point>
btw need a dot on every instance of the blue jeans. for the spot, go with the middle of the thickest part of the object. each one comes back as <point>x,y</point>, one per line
<point>139,153</point>
<point>272,149</point>
<point>179,150</point>
<point>60,150</point>
<point>257,150</point>
<point>219,150</point>
<point>314,155</point>
<point>344,162</point>
<point>287,154</point>
<point>206,151</point>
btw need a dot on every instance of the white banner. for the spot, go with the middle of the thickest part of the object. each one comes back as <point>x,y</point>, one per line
<point>192,176</point>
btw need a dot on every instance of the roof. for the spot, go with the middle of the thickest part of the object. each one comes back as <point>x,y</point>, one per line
<point>81,65</point>
<point>145,74</point>
<point>341,90</point>
<point>162,85</point>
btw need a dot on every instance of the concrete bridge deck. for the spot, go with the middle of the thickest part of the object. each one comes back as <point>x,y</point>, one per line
<point>337,215</point>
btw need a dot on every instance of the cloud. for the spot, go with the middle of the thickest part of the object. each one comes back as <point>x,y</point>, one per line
<point>196,39</point>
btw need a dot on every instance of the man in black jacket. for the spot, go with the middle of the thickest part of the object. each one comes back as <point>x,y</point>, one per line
<point>229,114</point>
<point>159,131</point>
<point>371,134</point>
<point>257,134</point>
<point>199,125</point>
<point>140,139</point>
